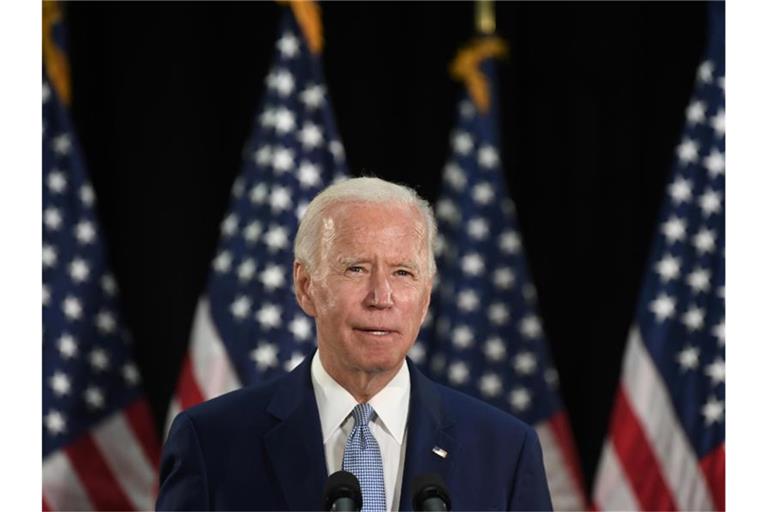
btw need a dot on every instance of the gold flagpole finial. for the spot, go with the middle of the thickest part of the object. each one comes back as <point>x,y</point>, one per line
<point>485,17</point>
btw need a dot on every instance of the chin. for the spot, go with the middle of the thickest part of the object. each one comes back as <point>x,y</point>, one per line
<point>373,362</point>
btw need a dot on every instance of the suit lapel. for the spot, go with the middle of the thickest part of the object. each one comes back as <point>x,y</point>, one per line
<point>295,444</point>
<point>430,427</point>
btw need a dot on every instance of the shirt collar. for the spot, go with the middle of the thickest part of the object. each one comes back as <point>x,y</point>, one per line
<point>334,403</point>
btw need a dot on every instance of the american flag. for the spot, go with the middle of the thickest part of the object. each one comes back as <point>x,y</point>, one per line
<point>666,444</point>
<point>483,335</point>
<point>248,326</point>
<point>100,449</point>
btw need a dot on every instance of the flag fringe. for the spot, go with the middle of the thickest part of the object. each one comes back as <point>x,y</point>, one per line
<point>466,67</point>
<point>307,14</point>
<point>54,60</point>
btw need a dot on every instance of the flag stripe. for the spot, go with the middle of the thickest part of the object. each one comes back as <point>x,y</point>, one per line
<point>612,491</point>
<point>562,430</point>
<point>563,487</point>
<point>96,476</point>
<point>638,459</point>
<point>713,467</point>
<point>62,489</point>
<point>127,460</point>
<point>187,392</point>
<point>211,367</point>
<point>139,416</point>
<point>646,392</point>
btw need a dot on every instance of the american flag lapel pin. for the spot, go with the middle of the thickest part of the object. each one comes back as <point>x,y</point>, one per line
<point>439,452</point>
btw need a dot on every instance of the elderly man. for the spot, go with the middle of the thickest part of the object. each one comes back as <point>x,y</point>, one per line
<point>363,270</point>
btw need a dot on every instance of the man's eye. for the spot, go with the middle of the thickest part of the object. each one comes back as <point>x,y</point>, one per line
<point>403,273</point>
<point>355,268</point>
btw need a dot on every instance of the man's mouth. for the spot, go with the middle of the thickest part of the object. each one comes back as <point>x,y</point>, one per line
<point>375,331</point>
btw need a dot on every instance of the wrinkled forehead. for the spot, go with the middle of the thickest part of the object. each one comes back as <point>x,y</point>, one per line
<point>365,226</point>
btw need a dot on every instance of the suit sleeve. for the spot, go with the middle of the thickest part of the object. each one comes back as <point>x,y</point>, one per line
<point>183,481</point>
<point>529,489</point>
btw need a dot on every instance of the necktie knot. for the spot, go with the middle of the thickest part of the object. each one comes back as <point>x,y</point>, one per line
<point>362,414</point>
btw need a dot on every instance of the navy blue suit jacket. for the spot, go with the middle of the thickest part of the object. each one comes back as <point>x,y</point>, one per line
<point>261,448</point>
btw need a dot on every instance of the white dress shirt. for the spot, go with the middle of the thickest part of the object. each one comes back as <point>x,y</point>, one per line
<point>388,426</point>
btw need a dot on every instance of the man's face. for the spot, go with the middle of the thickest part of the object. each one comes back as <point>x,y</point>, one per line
<point>370,292</point>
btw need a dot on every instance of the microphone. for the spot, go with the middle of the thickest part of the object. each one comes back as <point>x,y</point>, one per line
<point>342,493</point>
<point>430,494</point>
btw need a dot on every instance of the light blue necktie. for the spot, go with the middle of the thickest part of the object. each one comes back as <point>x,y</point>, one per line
<point>362,458</point>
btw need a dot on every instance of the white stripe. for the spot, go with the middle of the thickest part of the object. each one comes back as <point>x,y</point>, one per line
<point>563,489</point>
<point>173,410</point>
<point>612,489</point>
<point>61,486</point>
<point>650,400</point>
<point>124,455</point>
<point>211,367</point>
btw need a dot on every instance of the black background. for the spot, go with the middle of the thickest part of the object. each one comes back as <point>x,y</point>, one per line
<point>593,97</point>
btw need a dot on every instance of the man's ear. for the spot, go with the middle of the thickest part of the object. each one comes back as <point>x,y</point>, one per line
<point>302,287</point>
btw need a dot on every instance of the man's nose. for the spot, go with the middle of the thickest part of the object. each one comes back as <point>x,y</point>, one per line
<point>380,291</point>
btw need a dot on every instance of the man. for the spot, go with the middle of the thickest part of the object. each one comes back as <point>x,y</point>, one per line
<point>363,269</point>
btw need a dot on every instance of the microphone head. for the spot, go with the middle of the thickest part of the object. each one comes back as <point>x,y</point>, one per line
<point>342,484</point>
<point>425,488</point>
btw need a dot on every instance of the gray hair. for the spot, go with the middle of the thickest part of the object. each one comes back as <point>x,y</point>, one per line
<point>306,246</point>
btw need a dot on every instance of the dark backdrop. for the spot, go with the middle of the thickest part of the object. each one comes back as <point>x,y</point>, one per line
<point>593,98</point>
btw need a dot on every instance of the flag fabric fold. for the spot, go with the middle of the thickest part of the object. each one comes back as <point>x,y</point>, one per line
<point>248,326</point>
<point>666,443</point>
<point>100,450</point>
<point>483,335</point>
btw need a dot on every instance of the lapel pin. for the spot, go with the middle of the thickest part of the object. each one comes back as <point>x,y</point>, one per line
<point>439,452</point>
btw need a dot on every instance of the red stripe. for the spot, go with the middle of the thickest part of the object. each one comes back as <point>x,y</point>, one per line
<point>562,430</point>
<point>636,456</point>
<point>46,506</point>
<point>139,418</point>
<point>713,467</point>
<point>188,392</point>
<point>97,478</point>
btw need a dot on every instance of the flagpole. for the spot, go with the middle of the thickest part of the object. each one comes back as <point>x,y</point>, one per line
<point>485,17</point>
